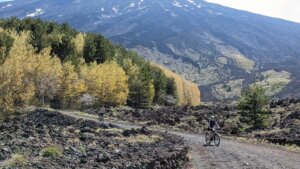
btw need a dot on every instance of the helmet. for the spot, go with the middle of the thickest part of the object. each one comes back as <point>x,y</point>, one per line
<point>212,117</point>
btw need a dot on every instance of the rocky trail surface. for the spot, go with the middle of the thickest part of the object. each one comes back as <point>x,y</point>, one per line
<point>43,139</point>
<point>230,154</point>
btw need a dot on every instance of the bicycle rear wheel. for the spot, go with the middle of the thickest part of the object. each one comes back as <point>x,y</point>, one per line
<point>217,139</point>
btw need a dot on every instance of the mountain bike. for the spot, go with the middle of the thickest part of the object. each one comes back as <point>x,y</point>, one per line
<point>215,137</point>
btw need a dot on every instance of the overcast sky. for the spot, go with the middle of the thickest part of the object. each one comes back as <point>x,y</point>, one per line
<point>285,9</point>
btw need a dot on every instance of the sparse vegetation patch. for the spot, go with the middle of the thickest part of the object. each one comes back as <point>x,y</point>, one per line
<point>51,151</point>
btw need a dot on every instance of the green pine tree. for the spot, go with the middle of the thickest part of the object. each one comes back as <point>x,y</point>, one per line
<point>252,105</point>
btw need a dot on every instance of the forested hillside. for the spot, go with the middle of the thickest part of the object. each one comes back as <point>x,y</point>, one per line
<point>44,63</point>
<point>221,49</point>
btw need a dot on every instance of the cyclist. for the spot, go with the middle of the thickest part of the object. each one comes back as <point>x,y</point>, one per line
<point>212,125</point>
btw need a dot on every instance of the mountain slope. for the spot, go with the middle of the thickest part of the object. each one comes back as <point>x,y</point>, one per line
<point>217,47</point>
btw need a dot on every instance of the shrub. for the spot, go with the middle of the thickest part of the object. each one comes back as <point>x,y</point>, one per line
<point>17,160</point>
<point>52,151</point>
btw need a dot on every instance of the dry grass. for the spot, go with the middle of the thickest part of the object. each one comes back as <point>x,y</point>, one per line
<point>116,130</point>
<point>84,115</point>
<point>141,139</point>
<point>273,131</point>
<point>16,161</point>
<point>241,61</point>
<point>223,60</point>
<point>273,82</point>
<point>73,140</point>
<point>112,146</point>
<point>77,131</point>
<point>189,156</point>
<point>231,89</point>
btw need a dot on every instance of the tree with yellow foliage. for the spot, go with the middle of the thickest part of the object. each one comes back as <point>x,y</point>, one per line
<point>13,91</point>
<point>47,75</point>
<point>15,87</point>
<point>27,76</point>
<point>187,92</point>
<point>72,86</point>
<point>107,82</point>
<point>79,44</point>
<point>41,70</point>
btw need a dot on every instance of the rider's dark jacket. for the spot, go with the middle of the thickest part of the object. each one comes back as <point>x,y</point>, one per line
<point>212,124</point>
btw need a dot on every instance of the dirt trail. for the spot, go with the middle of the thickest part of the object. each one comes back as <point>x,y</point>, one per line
<point>230,154</point>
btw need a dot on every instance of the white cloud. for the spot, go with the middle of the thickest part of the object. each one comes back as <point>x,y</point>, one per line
<point>285,9</point>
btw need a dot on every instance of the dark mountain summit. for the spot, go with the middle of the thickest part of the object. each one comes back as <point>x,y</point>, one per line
<point>221,49</point>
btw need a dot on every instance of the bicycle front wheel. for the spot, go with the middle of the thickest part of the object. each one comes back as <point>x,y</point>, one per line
<point>217,139</point>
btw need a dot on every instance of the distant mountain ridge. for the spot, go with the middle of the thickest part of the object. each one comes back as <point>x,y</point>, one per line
<point>222,49</point>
